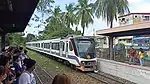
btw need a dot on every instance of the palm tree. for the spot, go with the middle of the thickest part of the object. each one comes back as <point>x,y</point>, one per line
<point>109,9</point>
<point>45,6</point>
<point>55,19</point>
<point>84,13</point>
<point>69,16</point>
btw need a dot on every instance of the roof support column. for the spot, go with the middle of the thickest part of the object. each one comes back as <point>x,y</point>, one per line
<point>3,40</point>
<point>111,47</point>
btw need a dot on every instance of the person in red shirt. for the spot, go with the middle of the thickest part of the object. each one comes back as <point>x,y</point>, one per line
<point>132,54</point>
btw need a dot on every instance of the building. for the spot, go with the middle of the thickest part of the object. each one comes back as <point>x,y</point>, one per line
<point>124,20</point>
<point>133,18</point>
<point>129,19</point>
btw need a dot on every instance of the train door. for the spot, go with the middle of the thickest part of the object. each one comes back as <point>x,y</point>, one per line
<point>63,49</point>
<point>50,47</point>
<point>60,48</point>
<point>66,49</point>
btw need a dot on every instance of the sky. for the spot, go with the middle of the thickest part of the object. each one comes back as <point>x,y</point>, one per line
<point>135,6</point>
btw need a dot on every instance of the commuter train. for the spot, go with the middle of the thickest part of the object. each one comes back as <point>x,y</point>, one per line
<point>76,51</point>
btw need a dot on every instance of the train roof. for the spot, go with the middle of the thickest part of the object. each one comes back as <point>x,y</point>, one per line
<point>58,39</point>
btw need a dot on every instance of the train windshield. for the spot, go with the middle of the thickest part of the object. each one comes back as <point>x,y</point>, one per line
<point>86,48</point>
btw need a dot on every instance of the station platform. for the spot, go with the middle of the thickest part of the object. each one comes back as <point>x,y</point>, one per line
<point>134,73</point>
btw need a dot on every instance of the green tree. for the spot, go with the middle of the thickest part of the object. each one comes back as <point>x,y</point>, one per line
<point>30,37</point>
<point>108,10</point>
<point>54,21</point>
<point>84,13</point>
<point>68,17</point>
<point>14,38</point>
<point>45,6</point>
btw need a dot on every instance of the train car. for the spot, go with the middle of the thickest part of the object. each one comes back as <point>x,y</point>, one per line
<point>77,51</point>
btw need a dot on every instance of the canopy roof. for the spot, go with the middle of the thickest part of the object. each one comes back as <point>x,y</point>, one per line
<point>129,30</point>
<point>15,14</point>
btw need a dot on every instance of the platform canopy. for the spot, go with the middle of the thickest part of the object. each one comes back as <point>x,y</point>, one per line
<point>129,30</point>
<point>15,14</point>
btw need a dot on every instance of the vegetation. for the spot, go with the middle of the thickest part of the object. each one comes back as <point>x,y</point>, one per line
<point>84,13</point>
<point>45,6</point>
<point>30,37</point>
<point>110,9</point>
<point>81,13</point>
<point>60,23</point>
<point>48,64</point>
<point>15,38</point>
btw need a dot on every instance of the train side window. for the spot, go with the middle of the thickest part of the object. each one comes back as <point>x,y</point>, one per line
<point>42,45</point>
<point>57,46</point>
<point>48,46</point>
<point>45,45</point>
<point>70,46</point>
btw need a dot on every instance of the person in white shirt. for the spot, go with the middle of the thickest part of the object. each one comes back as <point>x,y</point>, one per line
<point>33,81</point>
<point>27,77</point>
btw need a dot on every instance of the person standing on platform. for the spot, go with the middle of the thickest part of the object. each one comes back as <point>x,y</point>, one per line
<point>141,56</point>
<point>132,54</point>
<point>27,76</point>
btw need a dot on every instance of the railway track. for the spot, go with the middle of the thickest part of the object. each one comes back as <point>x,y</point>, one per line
<point>42,76</point>
<point>104,79</point>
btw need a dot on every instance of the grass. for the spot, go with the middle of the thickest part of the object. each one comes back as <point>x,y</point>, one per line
<point>48,63</point>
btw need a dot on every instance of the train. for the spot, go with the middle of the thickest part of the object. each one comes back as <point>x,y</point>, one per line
<point>77,51</point>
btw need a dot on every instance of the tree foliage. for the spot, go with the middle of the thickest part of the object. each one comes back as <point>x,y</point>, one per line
<point>60,22</point>
<point>69,16</point>
<point>45,6</point>
<point>30,37</point>
<point>109,9</point>
<point>15,38</point>
<point>84,13</point>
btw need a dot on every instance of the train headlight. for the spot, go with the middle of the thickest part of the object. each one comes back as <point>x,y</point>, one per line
<point>82,63</point>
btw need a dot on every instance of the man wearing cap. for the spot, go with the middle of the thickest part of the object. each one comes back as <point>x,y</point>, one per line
<point>26,77</point>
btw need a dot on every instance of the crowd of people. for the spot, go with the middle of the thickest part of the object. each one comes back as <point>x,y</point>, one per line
<point>136,56</point>
<point>17,68</point>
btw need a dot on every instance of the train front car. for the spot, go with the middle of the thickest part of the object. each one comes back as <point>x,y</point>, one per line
<point>85,47</point>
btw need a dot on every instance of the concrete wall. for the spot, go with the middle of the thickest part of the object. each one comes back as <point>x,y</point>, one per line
<point>137,74</point>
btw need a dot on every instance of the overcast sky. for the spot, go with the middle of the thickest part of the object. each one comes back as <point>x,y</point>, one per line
<point>135,6</point>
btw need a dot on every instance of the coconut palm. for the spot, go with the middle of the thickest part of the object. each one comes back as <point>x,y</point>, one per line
<point>68,17</point>
<point>108,10</point>
<point>55,19</point>
<point>84,13</point>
